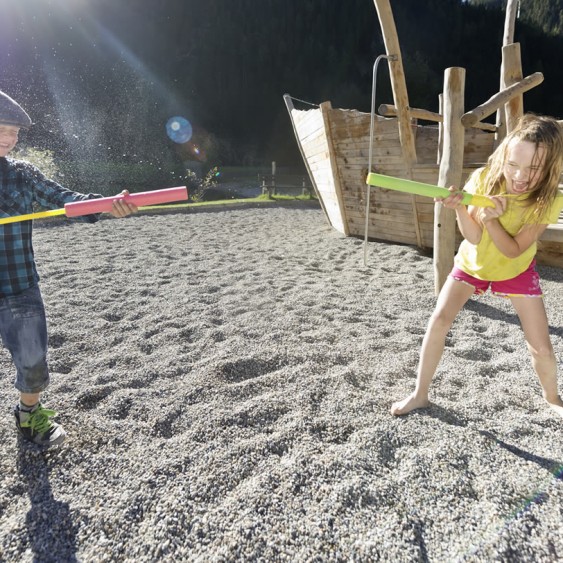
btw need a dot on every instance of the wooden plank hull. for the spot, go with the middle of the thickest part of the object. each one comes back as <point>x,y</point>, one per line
<point>335,145</point>
<point>312,133</point>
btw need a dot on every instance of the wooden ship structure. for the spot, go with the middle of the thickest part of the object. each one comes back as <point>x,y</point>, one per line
<point>338,146</point>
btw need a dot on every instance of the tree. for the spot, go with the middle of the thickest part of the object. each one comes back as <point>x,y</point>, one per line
<point>101,79</point>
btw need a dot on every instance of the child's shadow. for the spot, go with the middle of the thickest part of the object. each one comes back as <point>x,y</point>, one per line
<point>450,417</point>
<point>486,310</point>
<point>51,531</point>
<point>551,465</point>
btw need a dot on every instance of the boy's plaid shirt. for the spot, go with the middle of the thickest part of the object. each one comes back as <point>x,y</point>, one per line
<point>21,186</point>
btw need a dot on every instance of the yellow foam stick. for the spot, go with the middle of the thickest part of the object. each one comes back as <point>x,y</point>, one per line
<point>29,216</point>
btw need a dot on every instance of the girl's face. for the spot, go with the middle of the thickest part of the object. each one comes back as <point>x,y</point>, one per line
<point>8,138</point>
<point>523,166</point>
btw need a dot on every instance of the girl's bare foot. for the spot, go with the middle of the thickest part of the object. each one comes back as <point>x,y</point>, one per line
<point>408,404</point>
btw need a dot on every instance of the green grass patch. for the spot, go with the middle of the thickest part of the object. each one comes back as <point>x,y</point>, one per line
<point>222,202</point>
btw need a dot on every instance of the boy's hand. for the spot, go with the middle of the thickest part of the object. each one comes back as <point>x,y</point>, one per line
<point>121,208</point>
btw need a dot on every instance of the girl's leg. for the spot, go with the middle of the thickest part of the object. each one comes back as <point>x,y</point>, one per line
<point>531,311</point>
<point>452,298</point>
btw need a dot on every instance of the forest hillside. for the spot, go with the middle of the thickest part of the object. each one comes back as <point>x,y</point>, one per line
<point>101,78</point>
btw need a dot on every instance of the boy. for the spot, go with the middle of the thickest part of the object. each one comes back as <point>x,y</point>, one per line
<point>23,326</point>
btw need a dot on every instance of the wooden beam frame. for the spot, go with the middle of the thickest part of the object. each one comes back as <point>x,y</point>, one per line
<point>388,110</point>
<point>504,96</point>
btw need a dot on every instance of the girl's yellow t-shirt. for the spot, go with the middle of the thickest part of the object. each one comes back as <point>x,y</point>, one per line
<point>484,260</point>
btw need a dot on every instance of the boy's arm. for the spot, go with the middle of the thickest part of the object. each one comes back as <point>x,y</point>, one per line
<point>48,194</point>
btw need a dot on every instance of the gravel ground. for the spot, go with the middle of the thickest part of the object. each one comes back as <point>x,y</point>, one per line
<point>225,380</point>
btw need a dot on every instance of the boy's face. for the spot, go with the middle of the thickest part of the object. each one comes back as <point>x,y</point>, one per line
<point>8,138</point>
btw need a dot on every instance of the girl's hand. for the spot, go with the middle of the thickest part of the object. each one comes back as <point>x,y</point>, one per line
<point>453,201</point>
<point>121,208</point>
<point>490,213</point>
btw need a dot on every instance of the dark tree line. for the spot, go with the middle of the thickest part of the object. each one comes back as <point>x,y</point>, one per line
<point>546,15</point>
<point>101,78</point>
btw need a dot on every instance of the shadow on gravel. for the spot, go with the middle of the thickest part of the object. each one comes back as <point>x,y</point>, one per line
<point>445,415</point>
<point>51,533</point>
<point>554,467</point>
<point>497,314</point>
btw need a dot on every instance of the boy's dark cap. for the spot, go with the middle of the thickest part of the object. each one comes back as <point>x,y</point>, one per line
<point>11,113</point>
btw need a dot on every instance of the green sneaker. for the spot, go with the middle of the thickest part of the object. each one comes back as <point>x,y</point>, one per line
<point>36,426</point>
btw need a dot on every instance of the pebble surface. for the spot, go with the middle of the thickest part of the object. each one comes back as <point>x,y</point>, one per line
<point>225,381</point>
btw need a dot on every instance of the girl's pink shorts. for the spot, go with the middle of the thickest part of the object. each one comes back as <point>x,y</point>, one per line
<point>525,284</point>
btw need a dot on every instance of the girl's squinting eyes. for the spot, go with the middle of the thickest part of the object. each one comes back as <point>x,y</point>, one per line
<point>515,165</point>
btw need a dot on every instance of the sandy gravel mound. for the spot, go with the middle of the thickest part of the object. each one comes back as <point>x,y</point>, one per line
<point>225,380</point>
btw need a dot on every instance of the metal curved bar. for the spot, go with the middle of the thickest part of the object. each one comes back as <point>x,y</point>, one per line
<point>371,128</point>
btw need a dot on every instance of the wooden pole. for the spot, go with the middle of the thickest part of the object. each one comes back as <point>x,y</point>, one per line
<point>273,189</point>
<point>499,99</point>
<point>398,82</point>
<point>451,168</point>
<point>440,128</point>
<point>400,96</point>
<point>512,68</point>
<point>507,39</point>
<point>510,22</point>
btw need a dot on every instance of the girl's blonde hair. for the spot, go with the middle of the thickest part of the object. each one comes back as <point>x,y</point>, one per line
<point>539,130</point>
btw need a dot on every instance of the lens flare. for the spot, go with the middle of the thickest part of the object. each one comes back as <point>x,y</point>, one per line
<point>179,129</point>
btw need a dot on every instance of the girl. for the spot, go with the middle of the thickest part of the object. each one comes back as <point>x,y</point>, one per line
<point>521,178</point>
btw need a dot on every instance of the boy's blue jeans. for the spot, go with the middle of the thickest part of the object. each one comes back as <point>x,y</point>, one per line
<point>23,328</point>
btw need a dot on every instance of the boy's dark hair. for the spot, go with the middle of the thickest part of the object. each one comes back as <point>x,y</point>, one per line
<point>11,113</point>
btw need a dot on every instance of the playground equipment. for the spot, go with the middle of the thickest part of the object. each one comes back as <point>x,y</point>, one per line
<point>341,147</point>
